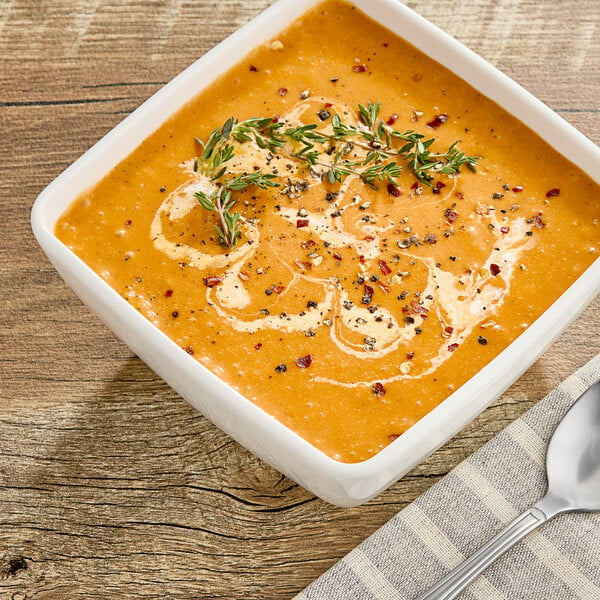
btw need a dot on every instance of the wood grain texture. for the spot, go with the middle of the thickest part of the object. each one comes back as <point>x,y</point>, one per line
<point>111,486</point>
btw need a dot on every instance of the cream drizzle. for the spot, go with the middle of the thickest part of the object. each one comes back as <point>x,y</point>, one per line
<point>175,207</point>
<point>462,315</point>
<point>460,305</point>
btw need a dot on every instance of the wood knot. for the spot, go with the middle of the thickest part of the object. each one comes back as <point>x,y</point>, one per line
<point>16,564</point>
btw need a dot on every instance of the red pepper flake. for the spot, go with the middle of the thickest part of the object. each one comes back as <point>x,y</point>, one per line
<point>304,361</point>
<point>452,347</point>
<point>451,216</point>
<point>504,229</point>
<point>328,104</point>
<point>282,91</point>
<point>258,346</point>
<point>308,243</point>
<point>368,294</point>
<point>394,190</point>
<point>253,68</point>
<point>385,44</point>
<point>538,221</point>
<point>392,119</point>
<point>552,192</point>
<point>277,289</point>
<point>128,223</point>
<point>410,355</point>
<point>337,256</point>
<point>243,276</point>
<point>301,223</point>
<point>418,309</point>
<point>517,188</point>
<point>459,195</point>
<point>494,269</point>
<point>415,185</point>
<point>384,267</point>
<point>368,238</point>
<point>378,389</point>
<point>447,332</point>
<point>212,281</point>
<point>189,350</point>
<point>275,119</point>
<point>361,259</point>
<point>437,188</point>
<point>168,293</point>
<point>359,68</point>
<point>438,120</point>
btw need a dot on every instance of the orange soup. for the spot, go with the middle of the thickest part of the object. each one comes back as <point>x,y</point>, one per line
<point>341,229</point>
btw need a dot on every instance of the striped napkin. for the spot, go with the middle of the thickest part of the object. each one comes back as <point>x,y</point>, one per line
<point>559,561</point>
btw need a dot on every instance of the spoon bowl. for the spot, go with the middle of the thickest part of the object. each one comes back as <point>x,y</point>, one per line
<point>573,456</point>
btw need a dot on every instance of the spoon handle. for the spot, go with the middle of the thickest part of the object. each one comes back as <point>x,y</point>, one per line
<point>456,580</point>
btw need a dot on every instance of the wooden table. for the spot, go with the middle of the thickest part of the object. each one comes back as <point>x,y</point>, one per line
<point>111,486</point>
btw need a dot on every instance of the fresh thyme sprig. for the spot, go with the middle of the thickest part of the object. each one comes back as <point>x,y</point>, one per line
<point>258,178</point>
<point>455,159</point>
<point>377,137</point>
<point>221,201</point>
<point>263,131</point>
<point>218,149</point>
<point>385,148</point>
<point>381,171</point>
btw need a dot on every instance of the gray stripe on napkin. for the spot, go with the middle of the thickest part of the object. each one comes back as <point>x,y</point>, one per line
<point>466,509</point>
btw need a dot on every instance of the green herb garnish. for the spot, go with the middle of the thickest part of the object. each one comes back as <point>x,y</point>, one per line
<point>385,149</point>
<point>221,202</point>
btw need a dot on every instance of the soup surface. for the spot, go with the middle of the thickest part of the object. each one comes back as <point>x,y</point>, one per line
<point>345,277</point>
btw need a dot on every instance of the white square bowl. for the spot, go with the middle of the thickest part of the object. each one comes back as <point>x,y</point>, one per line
<point>339,483</point>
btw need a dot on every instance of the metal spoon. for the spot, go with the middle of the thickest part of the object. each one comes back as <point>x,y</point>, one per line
<point>573,469</point>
